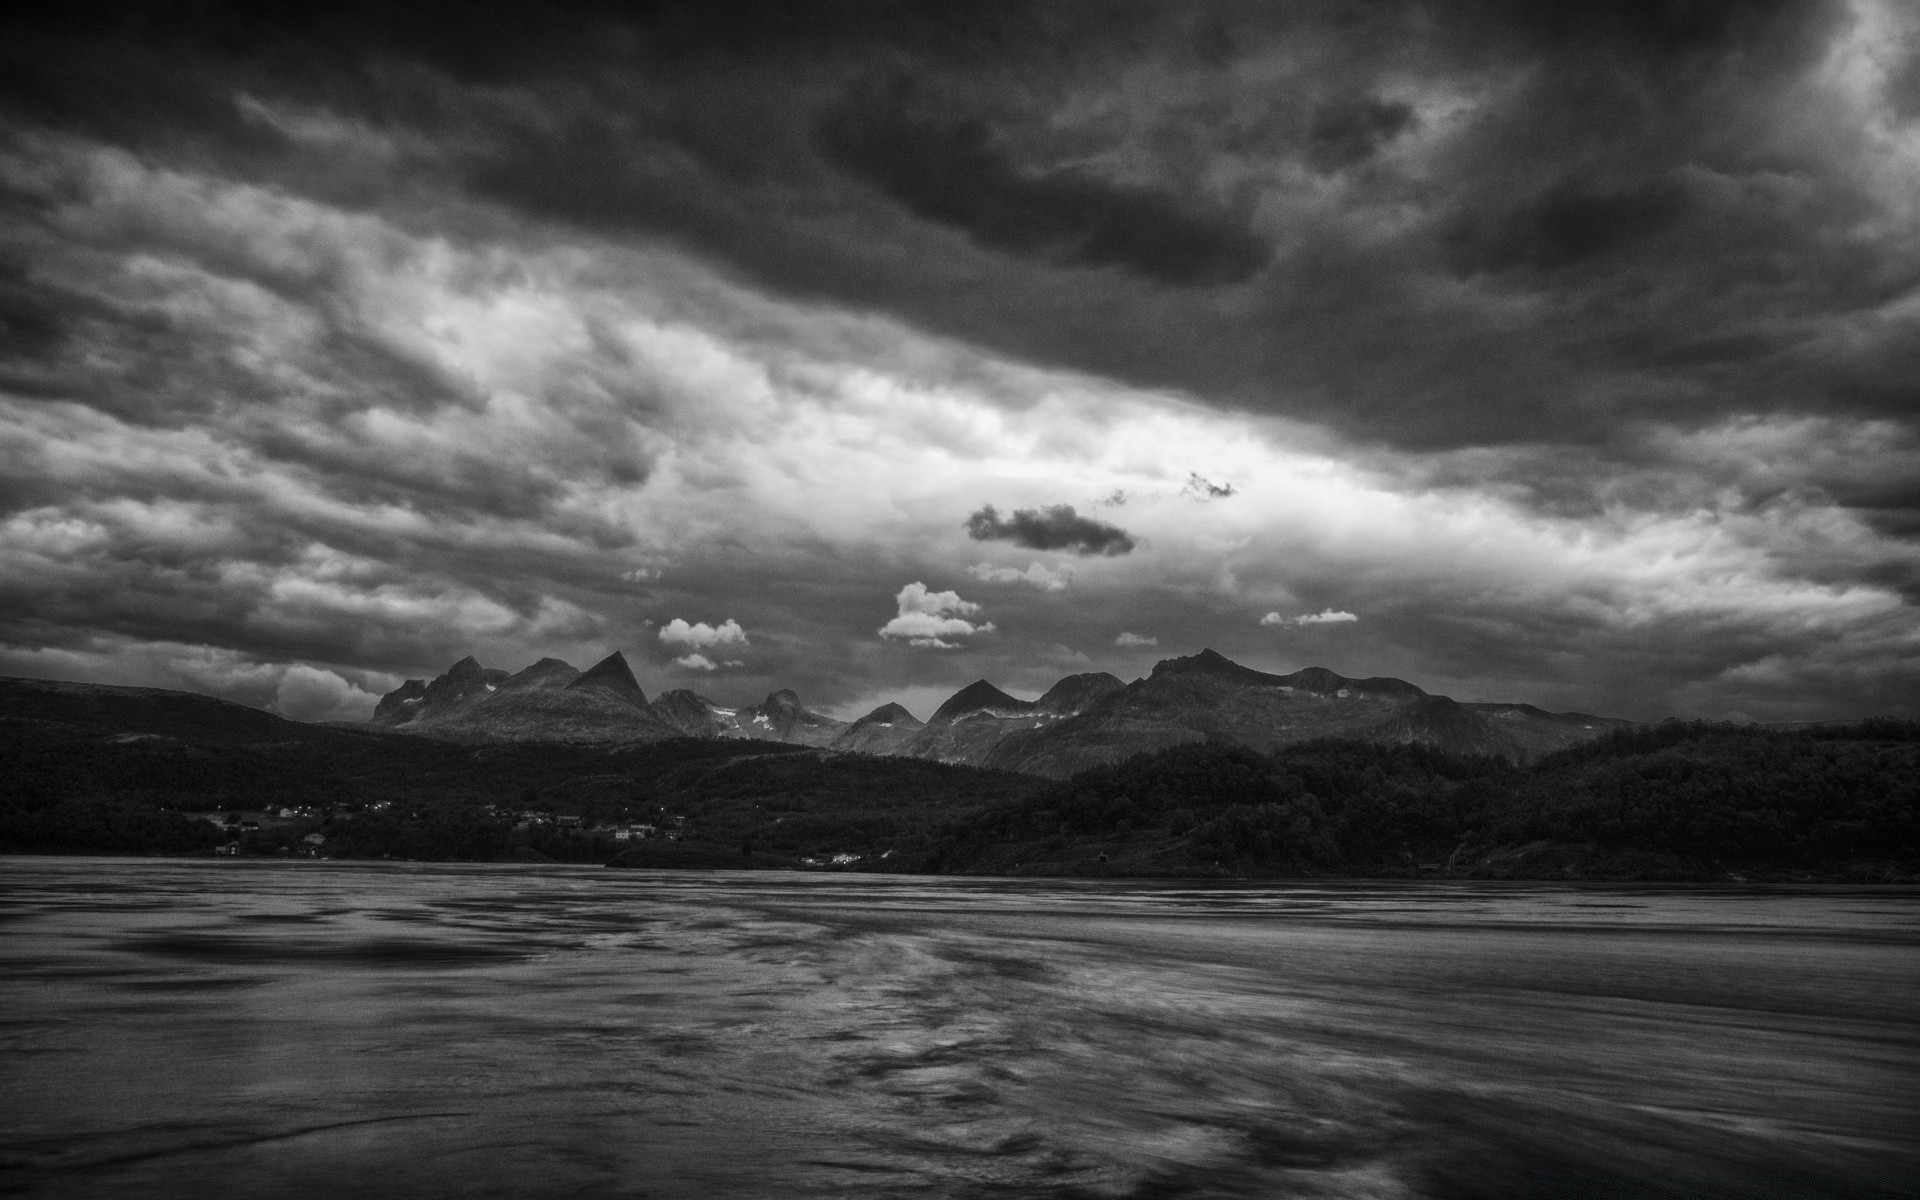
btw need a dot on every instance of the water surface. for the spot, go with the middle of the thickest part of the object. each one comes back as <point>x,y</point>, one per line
<point>174,1028</point>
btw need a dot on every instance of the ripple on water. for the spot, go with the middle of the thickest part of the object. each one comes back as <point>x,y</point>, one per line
<point>363,952</point>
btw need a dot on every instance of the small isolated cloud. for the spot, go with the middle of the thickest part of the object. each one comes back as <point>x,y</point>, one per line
<point>1055,528</point>
<point>930,620</point>
<point>696,662</point>
<point>1202,488</point>
<point>1323,617</point>
<point>1135,639</point>
<point>640,574</point>
<point>700,636</point>
<point>1036,575</point>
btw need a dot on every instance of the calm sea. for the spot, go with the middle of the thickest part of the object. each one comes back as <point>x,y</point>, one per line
<point>208,1029</point>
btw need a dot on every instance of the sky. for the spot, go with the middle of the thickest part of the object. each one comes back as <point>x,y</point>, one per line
<point>1561,354</point>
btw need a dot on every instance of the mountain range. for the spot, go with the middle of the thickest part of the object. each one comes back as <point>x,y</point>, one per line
<point>1082,721</point>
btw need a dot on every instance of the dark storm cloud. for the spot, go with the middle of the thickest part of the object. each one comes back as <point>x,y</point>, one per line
<point>1614,178</point>
<point>1349,131</point>
<point>1056,527</point>
<point>952,172</point>
<point>1569,223</point>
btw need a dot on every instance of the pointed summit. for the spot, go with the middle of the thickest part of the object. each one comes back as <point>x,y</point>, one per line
<point>976,696</point>
<point>467,668</point>
<point>886,730</point>
<point>612,674</point>
<point>890,713</point>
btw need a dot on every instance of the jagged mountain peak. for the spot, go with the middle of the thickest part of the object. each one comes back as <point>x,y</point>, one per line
<point>976,696</point>
<point>613,674</point>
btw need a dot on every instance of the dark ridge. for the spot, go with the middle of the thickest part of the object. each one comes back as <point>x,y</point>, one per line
<point>1076,692</point>
<point>1316,679</point>
<point>398,705</point>
<point>1441,722</point>
<point>684,699</point>
<point>1209,662</point>
<point>546,672</point>
<point>110,710</point>
<point>784,700</point>
<point>1313,679</point>
<point>1319,679</point>
<point>1530,710</point>
<point>688,711</point>
<point>613,674</point>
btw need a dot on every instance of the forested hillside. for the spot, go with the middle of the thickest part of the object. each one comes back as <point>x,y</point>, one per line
<point>1670,801</point>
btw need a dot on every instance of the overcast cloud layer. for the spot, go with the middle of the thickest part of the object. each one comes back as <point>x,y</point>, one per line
<point>1569,357</point>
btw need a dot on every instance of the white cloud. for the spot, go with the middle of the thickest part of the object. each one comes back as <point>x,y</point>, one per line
<point>928,620</point>
<point>1135,639</point>
<point>1324,617</point>
<point>1037,574</point>
<point>701,635</point>
<point>695,662</point>
<point>311,694</point>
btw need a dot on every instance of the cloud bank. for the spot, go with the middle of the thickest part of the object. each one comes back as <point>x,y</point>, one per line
<point>1574,346</point>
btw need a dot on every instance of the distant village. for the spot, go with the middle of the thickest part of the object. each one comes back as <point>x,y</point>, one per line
<point>301,829</point>
<point>322,832</point>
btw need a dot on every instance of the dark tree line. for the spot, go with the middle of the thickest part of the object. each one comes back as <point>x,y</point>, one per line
<point>1698,797</point>
<point>1684,799</point>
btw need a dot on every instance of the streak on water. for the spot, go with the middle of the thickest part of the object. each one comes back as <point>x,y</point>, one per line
<point>209,1029</point>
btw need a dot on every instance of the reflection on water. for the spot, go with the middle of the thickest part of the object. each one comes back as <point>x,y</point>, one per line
<point>216,1029</point>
